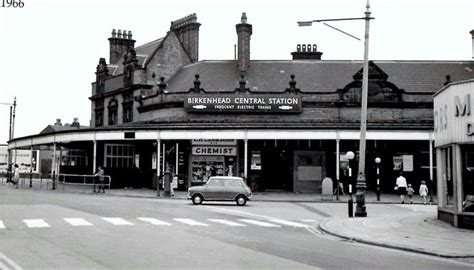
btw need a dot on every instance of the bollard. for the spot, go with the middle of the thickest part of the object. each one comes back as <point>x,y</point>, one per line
<point>350,202</point>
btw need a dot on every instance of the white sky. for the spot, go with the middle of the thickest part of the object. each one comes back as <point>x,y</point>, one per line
<point>49,49</point>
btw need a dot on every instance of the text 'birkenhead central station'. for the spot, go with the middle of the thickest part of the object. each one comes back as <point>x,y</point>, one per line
<point>278,104</point>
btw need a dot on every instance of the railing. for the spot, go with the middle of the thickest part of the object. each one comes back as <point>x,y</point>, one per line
<point>84,180</point>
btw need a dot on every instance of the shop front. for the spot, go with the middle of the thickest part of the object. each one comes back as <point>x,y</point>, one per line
<point>454,141</point>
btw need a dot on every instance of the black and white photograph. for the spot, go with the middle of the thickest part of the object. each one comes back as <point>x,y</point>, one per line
<point>236,134</point>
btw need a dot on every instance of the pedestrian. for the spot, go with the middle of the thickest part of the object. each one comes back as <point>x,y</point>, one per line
<point>100,175</point>
<point>410,192</point>
<point>423,191</point>
<point>16,175</point>
<point>401,186</point>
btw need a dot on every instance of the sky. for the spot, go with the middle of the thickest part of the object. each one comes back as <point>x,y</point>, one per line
<point>49,49</point>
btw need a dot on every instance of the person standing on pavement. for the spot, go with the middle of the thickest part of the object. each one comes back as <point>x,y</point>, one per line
<point>16,175</point>
<point>410,192</point>
<point>423,191</point>
<point>401,186</point>
<point>100,175</point>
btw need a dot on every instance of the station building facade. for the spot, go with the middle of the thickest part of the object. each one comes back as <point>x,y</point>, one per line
<point>280,124</point>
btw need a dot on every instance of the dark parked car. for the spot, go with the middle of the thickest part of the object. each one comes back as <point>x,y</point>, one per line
<point>221,188</point>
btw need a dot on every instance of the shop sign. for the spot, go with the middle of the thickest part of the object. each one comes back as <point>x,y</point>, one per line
<point>243,103</point>
<point>214,151</point>
<point>214,142</point>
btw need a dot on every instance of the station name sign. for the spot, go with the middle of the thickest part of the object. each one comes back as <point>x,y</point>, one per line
<point>243,103</point>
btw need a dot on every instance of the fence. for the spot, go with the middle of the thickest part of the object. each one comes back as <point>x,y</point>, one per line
<point>84,180</point>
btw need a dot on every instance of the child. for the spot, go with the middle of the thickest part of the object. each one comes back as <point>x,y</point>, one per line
<point>410,192</point>
<point>423,191</point>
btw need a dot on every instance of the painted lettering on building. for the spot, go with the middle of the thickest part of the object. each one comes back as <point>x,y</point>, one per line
<point>241,103</point>
<point>214,151</point>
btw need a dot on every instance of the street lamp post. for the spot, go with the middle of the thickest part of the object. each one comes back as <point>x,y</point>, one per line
<point>10,135</point>
<point>377,162</point>
<point>361,178</point>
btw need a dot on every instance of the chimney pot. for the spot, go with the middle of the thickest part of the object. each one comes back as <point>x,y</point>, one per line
<point>119,34</point>
<point>243,19</point>
<point>58,122</point>
<point>114,33</point>
<point>129,34</point>
<point>298,48</point>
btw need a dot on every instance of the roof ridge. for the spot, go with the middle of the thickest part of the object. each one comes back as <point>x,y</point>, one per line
<point>149,43</point>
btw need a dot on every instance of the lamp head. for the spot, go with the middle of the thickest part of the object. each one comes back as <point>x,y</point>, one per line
<point>378,160</point>
<point>350,155</point>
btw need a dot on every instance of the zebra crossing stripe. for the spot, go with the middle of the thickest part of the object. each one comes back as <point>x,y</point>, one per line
<point>36,223</point>
<point>77,222</point>
<point>226,222</point>
<point>259,223</point>
<point>154,221</point>
<point>7,263</point>
<point>2,226</point>
<point>289,223</point>
<point>117,221</point>
<point>190,222</point>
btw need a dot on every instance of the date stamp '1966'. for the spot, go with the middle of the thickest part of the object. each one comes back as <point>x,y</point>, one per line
<point>12,4</point>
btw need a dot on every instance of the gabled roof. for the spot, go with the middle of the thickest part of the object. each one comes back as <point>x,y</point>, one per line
<point>317,76</point>
<point>144,52</point>
<point>56,128</point>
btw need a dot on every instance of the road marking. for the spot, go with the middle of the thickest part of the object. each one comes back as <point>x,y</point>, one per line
<point>77,222</point>
<point>4,258</point>
<point>117,221</point>
<point>226,222</point>
<point>2,226</point>
<point>259,223</point>
<point>309,220</point>
<point>36,223</point>
<point>289,223</point>
<point>190,222</point>
<point>154,221</point>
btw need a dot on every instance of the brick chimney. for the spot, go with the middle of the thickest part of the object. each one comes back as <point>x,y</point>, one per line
<point>306,52</point>
<point>75,123</point>
<point>58,122</point>
<point>120,43</point>
<point>187,30</point>
<point>472,35</point>
<point>244,31</point>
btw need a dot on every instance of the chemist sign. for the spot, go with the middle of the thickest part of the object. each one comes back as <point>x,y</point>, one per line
<point>243,103</point>
<point>214,151</point>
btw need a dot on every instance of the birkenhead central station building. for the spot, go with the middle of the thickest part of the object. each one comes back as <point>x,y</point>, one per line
<point>280,124</point>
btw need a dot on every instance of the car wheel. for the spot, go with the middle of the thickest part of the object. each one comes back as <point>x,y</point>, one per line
<point>241,200</point>
<point>197,199</point>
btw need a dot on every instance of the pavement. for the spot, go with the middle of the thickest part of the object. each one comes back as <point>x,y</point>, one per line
<point>410,227</point>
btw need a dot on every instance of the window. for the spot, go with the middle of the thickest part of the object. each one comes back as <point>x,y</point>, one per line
<point>215,183</point>
<point>447,176</point>
<point>113,105</point>
<point>467,178</point>
<point>99,113</point>
<point>73,157</point>
<point>119,156</point>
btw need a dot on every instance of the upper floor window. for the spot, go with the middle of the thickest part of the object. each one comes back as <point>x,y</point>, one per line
<point>112,110</point>
<point>127,105</point>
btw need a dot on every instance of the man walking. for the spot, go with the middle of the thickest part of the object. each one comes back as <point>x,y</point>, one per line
<point>401,186</point>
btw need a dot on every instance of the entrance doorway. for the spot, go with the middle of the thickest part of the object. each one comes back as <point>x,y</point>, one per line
<point>277,169</point>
